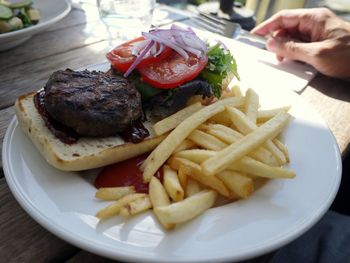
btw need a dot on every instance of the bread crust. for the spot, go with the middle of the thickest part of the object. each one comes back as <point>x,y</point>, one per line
<point>87,153</point>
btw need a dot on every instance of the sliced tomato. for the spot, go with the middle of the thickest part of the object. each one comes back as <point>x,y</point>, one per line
<point>121,57</point>
<point>173,71</point>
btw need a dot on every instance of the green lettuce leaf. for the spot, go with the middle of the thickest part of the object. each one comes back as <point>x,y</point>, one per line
<point>221,64</point>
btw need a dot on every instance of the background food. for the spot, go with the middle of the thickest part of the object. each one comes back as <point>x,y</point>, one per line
<point>15,15</point>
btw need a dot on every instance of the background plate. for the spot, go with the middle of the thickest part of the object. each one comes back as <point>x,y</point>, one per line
<point>51,11</point>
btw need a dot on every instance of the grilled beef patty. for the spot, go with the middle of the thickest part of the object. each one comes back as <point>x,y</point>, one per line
<point>92,103</point>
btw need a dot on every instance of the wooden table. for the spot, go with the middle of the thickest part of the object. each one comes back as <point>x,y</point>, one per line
<point>74,43</point>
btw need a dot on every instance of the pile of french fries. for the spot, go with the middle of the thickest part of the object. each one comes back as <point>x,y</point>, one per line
<point>223,149</point>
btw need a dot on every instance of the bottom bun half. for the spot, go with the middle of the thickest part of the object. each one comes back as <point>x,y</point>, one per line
<point>88,152</point>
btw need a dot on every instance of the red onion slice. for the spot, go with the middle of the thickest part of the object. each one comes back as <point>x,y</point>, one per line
<point>189,37</point>
<point>194,42</point>
<point>176,27</point>
<point>183,41</point>
<point>138,59</point>
<point>139,46</point>
<point>182,38</point>
<point>153,50</point>
<point>168,43</point>
<point>160,50</point>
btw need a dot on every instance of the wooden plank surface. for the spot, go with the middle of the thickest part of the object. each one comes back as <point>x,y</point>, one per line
<point>59,41</point>
<point>331,98</point>
<point>40,70</point>
<point>6,116</point>
<point>87,257</point>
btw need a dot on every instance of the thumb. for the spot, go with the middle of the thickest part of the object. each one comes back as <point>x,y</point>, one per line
<point>288,48</point>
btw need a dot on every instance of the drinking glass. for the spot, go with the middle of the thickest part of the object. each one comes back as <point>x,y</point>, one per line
<point>125,19</point>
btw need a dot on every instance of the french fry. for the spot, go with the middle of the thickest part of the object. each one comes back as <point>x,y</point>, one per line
<point>253,140</point>
<point>114,193</point>
<point>192,187</point>
<point>241,121</point>
<point>265,115</point>
<point>236,90</point>
<point>172,184</point>
<point>194,171</point>
<point>186,209</point>
<point>221,118</point>
<point>196,155</point>
<point>204,158</point>
<point>186,144</point>
<point>114,208</point>
<point>159,197</point>
<point>157,193</point>
<point>264,156</point>
<point>136,206</point>
<point>282,148</point>
<point>229,136</point>
<point>223,132</point>
<point>229,93</point>
<point>251,105</point>
<point>172,121</point>
<point>238,183</point>
<point>254,167</point>
<point>245,164</point>
<point>246,126</point>
<point>279,155</point>
<point>206,141</point>
<point>182,178</point>
<point>163,151</point>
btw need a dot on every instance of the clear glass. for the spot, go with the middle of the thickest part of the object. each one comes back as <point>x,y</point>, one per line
<point>126,19</point>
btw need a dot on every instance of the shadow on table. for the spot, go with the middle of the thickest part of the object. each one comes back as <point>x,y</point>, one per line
<point>335,88</point>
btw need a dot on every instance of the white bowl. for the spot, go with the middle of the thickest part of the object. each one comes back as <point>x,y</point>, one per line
<point>51,11</point>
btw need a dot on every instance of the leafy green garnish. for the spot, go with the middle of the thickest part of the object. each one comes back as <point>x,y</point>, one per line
<point>146,90</point>
<point>171,93</point>
<point>24,17</point>
<point>221,64</point>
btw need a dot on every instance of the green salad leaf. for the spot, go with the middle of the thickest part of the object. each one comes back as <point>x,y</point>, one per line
<point>221,64</point>
<point>146,90</point>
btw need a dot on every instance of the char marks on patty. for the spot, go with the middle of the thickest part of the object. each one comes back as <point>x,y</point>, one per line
<point>92,103</point>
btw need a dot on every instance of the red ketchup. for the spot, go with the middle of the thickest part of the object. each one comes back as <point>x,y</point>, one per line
<point>126,173</point>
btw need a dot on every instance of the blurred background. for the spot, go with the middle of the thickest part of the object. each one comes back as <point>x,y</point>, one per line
<point>248,13</point>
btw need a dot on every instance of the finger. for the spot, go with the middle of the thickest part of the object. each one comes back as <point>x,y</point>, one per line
<point>282,20</point>
<point>292,20</point>
<point>288,48</point>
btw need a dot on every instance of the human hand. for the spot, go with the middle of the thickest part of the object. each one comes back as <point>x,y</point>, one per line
<point>315,36</point>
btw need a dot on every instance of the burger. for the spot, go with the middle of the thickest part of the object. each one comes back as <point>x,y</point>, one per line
<point>88,119</point>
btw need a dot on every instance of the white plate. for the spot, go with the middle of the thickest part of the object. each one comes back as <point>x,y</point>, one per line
<point>279,212</point>
<point>51,11</point>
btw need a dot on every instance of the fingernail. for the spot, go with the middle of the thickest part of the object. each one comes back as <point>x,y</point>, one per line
<point>279,58</point>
